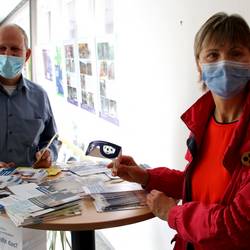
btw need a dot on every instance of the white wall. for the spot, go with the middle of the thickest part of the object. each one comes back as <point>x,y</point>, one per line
<point>158,81</point>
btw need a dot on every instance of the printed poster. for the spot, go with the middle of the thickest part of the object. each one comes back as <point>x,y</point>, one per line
<point>87,81</point>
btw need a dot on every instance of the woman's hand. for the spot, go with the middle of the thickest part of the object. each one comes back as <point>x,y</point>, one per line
<point>160,204</point>
<point>126,168</point>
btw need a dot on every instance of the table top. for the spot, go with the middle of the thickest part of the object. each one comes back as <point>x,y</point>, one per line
<point>90,219</point>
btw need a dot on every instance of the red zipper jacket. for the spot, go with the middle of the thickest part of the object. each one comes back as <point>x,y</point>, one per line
<point>224,225</point>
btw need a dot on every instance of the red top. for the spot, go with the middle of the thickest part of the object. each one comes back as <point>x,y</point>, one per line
<point>210,177</point>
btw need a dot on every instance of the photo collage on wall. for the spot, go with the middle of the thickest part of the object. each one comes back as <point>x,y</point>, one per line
<point>82,63</point>
<point>47,64</point>
<point>58,72</point>
<point>71,74</point>
<point>106,76</point>
<point>86,77</point>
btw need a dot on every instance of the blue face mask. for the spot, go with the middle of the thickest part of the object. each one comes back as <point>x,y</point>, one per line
<point>10,66</point>
<point>226,78</point>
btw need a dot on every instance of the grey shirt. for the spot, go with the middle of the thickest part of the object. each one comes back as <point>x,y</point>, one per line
<point>26,123</point>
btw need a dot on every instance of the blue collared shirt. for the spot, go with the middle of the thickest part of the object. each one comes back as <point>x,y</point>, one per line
<point>26,123</point>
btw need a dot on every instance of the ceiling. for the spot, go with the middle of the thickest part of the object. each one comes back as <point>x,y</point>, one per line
<point>7,7</point>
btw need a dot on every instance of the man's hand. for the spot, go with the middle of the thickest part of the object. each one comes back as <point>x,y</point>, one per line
<point>160,204</point>
<point>7,165</point>
<point>44,159</point>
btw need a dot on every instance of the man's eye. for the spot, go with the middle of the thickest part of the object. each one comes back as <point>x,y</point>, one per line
<point>15,49</point>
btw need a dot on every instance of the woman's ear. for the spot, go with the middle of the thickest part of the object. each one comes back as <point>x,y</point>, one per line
<point>199,68</point>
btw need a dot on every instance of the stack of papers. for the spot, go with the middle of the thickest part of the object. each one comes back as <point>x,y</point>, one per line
<point>9,180</point>
<point>84,168</point>
<point>31,175</point>
<point>72,183</point>
<point>117,196</point>
<point>119,200</point>
<point>7,171</point>
<point>33,205</point>
<point>99,188</point>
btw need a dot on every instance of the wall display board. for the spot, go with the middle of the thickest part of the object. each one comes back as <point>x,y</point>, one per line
<point>58,71</point>
<point>80,60</point>
<point>71,76</point>
<point>87,79</point>
<point>106,79</point>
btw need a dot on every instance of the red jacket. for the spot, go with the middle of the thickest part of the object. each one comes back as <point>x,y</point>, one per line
<point>221,226</point>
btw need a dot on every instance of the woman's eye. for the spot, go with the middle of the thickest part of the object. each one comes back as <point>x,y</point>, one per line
<point>237,53</point>
<point>211,56</point>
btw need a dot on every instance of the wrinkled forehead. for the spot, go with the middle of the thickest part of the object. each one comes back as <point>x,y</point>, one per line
<point>11,33</point>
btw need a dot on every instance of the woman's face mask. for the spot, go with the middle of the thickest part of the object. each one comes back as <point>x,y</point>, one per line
<point>226,78</point>
<point>11,66</point>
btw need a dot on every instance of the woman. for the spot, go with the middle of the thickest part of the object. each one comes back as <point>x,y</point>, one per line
<point>215,186</point>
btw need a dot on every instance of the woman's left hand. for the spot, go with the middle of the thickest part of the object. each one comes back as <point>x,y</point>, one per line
<point>160,204</point>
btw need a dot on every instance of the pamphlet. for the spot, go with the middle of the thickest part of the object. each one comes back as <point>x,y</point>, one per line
<point>119,201</point>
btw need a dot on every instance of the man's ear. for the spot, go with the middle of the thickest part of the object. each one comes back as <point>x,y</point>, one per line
<point>28,54</point>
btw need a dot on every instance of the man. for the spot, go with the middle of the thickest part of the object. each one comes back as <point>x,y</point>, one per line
<point>26,119</point>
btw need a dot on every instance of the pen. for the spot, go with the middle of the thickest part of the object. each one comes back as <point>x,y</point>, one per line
<point>44,150</point>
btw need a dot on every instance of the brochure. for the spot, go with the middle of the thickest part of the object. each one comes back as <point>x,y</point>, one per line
<point>119,201</point>
<point>84,168</point>
<point>38,208</point>
<point>99,188</point>
<point>32,175</point>
<point>72,183</point>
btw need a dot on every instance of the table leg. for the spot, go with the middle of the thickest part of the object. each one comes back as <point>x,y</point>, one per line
<point>83,240</point>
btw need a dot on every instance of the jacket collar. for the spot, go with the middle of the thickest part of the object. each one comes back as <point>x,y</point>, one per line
<point>197,117</point>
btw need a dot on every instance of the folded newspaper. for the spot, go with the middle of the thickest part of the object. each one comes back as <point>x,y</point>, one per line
<point>44,207</point>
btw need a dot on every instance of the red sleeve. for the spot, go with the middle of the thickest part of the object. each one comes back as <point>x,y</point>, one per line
<point>166,180</point>
<point>228,226</point>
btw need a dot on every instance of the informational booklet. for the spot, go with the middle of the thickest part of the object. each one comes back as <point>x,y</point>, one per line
<point>29,174</point>
<point>21,217</point>
<point>90,165</point>
<point>98,188</point>
<point>10,180</point>
<point>26,190</point>
<point>73,183</point>
<point>84,168</point>
<point>7,171</point>
<point>29,211</point>
<point>116,201</point>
